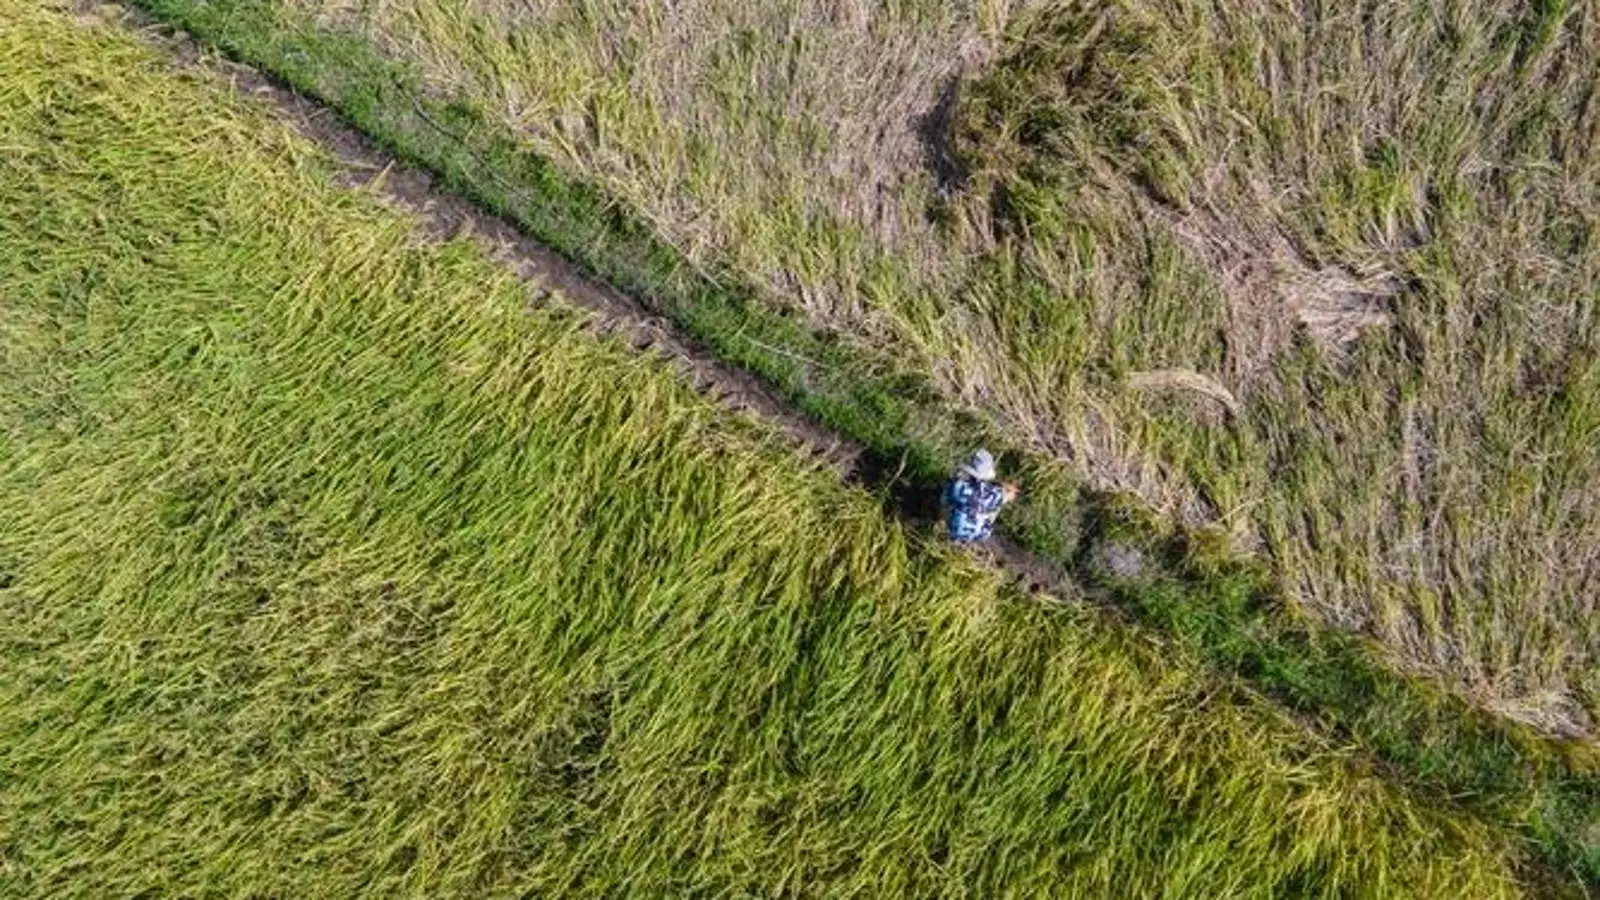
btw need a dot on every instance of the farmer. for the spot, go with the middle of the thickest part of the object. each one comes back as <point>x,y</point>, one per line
<point>974,499</point>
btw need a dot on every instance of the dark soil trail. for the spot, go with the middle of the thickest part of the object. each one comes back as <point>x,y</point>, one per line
<point>445,215</point>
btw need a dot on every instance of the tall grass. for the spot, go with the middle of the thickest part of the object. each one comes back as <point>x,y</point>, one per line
<point>329,567</point>
<point>1370,224</point>
<point>1397,204</point>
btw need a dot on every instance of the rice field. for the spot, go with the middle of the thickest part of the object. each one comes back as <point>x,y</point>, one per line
<point>1321,277</point>
<point>333,562</point>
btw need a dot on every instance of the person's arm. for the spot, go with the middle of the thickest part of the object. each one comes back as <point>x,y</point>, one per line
<point>958,493</point>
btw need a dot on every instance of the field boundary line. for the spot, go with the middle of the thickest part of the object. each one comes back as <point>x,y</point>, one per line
<point>444,215</point>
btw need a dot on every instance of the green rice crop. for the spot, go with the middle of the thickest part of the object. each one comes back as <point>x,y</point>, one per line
<point>329,565</point>
<point>1228,614</point>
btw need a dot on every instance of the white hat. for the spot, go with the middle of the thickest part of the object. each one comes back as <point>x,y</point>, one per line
<point>980,466</point>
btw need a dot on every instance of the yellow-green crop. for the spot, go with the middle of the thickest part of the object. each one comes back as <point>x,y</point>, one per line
<point>1368,226</point>
<point>329,567</point>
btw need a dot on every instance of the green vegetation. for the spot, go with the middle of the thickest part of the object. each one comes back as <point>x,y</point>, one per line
<point>1366,229</point>
<point>1228,614</point>
<point>329,567</point>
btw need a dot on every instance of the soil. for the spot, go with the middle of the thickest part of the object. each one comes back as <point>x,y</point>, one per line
<point>552,278</point>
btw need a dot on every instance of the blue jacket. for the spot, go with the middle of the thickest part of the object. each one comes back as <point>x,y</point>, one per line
<point>973,507</point>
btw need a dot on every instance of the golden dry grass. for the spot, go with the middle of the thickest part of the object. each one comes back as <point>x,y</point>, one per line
<point>1370,223</point>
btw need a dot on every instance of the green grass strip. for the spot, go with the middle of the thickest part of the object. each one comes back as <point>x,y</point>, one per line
<point>1229,614</point>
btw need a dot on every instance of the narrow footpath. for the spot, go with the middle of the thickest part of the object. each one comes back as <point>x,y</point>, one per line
<point>550,278</point>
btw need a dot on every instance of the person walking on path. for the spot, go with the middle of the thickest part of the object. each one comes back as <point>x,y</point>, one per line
<point>974,499</point>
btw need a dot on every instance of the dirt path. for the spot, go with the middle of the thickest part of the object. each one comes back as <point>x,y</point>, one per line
<point>552,278</point>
